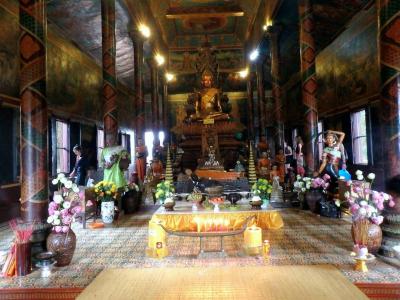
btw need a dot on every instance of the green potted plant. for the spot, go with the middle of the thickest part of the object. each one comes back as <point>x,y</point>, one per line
<point>106,193</point>
<point>261,191</point>
<point>164,193</point>
<point>131,198</point>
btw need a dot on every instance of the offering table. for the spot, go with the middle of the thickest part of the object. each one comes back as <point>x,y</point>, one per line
<point>207,223</point>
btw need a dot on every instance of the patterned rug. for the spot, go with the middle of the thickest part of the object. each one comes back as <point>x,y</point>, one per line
<point>304,239</point>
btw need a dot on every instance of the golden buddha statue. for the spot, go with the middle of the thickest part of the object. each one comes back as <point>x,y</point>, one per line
<point>208,102</point>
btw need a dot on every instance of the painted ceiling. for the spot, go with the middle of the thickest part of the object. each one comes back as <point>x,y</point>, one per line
<point>185,23</point>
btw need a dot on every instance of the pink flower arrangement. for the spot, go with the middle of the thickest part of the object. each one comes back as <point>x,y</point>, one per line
<point>65,205</point>
<point>366,203</point>
<point>321,183</point>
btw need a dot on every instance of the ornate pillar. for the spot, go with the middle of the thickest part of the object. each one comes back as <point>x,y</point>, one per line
<point>154,97</point>
<point>389,44</point>
<point>273,33</point>
<point>34,124</point>
<point>109,77</point>
<point>138,65</point>
<point>250,124</point>
<point>309,85</point>
<point>165,109</point>
<point>261,97</point>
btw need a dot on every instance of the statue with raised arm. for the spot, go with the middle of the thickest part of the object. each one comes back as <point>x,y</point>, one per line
<point>333,156</point>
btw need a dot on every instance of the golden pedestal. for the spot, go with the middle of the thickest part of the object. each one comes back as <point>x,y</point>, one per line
<point>361,265</point>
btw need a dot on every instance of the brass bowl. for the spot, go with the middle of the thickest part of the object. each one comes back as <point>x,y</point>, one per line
<point>169,206</point>
<point>256,204</point>
<point>214,191</point>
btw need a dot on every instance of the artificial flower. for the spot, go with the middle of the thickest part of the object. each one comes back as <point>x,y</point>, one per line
<point>65,204</point>
<point>371,176</point>
<point>58,199</point>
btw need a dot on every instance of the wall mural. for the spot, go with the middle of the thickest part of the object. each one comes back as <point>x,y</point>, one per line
<point>126,109</point>
<point>9,66</point>
<point>185,61</point>
<point>348,70</point>
<point>73,83</point>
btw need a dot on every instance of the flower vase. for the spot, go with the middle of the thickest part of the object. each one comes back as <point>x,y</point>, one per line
<point>216,207</point>
<point>63,246</point>
<point>374,239</point>
<point>107,212</point>
<point>313,197</point>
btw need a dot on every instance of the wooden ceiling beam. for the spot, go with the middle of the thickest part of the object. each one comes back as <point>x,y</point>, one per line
<point>204,12</point>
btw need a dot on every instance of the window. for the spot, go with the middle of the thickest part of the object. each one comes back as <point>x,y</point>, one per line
<point>161,138</point>
<point>359,137</point>
<point>62,148</point>
<point>295,133</point>
<point>100,142</point>
<point>149,142</point>
<point>320,139</point>
<point>9,144</point>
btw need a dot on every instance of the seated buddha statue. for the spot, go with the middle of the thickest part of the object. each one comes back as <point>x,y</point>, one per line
<point>207,103</point>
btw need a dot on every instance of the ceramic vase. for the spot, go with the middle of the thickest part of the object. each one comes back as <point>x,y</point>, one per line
<point>63,246</point>
<point>265,203</point>
<point>107,212</point>
<point>312,198</point>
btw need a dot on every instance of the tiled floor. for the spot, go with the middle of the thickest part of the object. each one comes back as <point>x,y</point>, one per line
<point>304,239</point>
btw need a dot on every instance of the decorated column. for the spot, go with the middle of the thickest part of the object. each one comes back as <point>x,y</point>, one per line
<point>309,85</point>
<point>250,124</point>
<point>154,97</point>
<point>138,65</point>
<point>273,33</point>
<point>260,97</point>
<point>109,77</point>
<point>34,158</point>
<point>389,42</point>
<point>165,125</point>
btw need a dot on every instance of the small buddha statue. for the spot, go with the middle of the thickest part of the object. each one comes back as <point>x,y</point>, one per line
<point>264,165</point>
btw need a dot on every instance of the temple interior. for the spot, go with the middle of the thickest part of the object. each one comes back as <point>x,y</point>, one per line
<point>200,149</point>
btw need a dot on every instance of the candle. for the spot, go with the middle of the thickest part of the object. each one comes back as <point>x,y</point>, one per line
<point>253,237</point>
<point>226,225</point>
<point>266,247</point>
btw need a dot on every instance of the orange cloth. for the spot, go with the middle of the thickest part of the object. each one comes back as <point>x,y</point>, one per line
<point>187,221</point>
<point>141,154</point>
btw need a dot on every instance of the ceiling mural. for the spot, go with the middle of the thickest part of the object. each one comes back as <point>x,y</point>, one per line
<point>184,62</point>
<point>184,23</point>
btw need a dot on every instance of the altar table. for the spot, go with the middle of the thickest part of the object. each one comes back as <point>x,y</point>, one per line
<point>184,219</point>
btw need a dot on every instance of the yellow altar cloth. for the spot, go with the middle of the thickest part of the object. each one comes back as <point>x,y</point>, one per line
<point>234,219</point>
